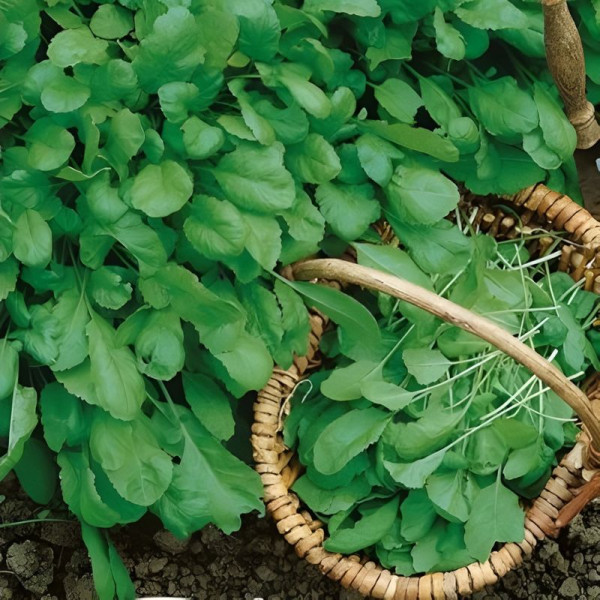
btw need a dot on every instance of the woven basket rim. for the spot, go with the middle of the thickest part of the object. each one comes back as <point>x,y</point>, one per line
<point>299,527</point>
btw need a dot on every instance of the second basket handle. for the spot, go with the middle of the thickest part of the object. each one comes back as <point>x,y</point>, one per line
<point>564,53</point>
<point>346,272</point>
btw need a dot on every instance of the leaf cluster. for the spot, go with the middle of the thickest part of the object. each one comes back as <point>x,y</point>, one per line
<point>420,440</point>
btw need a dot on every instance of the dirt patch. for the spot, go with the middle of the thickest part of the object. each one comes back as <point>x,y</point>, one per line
<point>46,561</point>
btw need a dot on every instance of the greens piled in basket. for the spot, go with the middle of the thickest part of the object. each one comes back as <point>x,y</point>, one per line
<point>419,438</point>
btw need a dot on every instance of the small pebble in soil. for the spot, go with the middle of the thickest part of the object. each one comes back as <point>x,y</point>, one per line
<point>166,541</point>
<point>569,588</point>
<point>33,565</point>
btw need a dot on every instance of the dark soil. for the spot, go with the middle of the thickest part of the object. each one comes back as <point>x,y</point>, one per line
<point>47,561</point>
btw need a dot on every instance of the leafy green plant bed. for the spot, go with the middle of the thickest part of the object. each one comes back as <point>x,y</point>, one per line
<point>160,158</point>
<point>421,442</point>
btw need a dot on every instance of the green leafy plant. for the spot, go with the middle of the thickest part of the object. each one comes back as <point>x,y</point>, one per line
<point>160,158</point>
<point>419,443</point>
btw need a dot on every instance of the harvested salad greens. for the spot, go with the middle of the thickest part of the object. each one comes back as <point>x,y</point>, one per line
<point>419,449</point>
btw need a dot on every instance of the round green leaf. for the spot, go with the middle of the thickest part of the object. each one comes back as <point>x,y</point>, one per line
<point>200,139</point>
<point>50,145</point>
<point>421,195</point>
<point>111,22</point>
<point>161,190</point>
<point>32,239</point>
<point>215,228</point>
<point>75,46</point>
<point>131,457</point>
<point>64,94</point>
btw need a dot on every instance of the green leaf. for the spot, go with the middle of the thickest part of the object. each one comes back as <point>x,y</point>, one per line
<point>131,457</point>
<point>429,433</point>
<point>110,575</point>
<point>421,195</point>
<point>451,492</point>
<point>399,99</point>
<point>9,270</point>
<point>72,315</point>
<point>347,436</point>
<point>294,77</point>
<point>397,45</point>
<point>226,489</point>
<point>23,420</point>
<point>492,14</point>
<point>558,132</point>
<point>50,145</point>
<point>62,417</point>
<point>249,364</point>
<point>535,145</point>
<point>348,209</point>
<point>13,36</point>
<point>161,190</point>
<point>449,41</point>
<point>263,240</point>
<point>529,459</point>
<point>258,125</point>
<point>502,107</point>
<point>113,371</point>
<point>218,321</point>
<point>37,471</point>
<point>413,475</point>
<point>200,139</point>
<point>9,369</point>
<point>438,248</point>
<point>442,108</point>
<point>139,239</point>
<point>209,404</point>
<point>495,517</point>
<point>159,345</point>
<point>216,228</point>
<point>314,160</point>
<point>32,239</point>
<point>259,28</point>
<point>376,155</point>
<point>109,289</point>
<point>254,178</point>
<point>359,329</point>
<point>393,397</point>
<point>64,94</point>
<point>418,515</point>
<point>366,532</point>
<point>295,323</point>
<point>171,51</point>
<point>219,31</point>
<point>331,501</point>
<point>304,221</point>
<point>414,138</point>
<point>177,99</point>
<point>111,22</point>
<point>345,383</point>
<point>425,365</point>
<point>125,138</point>
<point>360,8</point>
<point>74,46</point>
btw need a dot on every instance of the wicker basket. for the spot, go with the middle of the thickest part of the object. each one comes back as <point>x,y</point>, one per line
<point>279,468</point>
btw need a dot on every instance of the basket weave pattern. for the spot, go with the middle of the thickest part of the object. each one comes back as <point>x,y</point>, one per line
<point>279,468</point>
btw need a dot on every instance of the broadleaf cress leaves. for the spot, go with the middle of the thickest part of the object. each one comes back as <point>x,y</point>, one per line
<point>162,160</point>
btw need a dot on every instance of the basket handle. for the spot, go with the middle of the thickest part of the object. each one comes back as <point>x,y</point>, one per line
<point>564,53</point>
<point>343,271</point>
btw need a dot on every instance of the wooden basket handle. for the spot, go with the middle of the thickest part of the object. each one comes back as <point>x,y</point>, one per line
<point>564,53</point>
<point>346,272</point>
